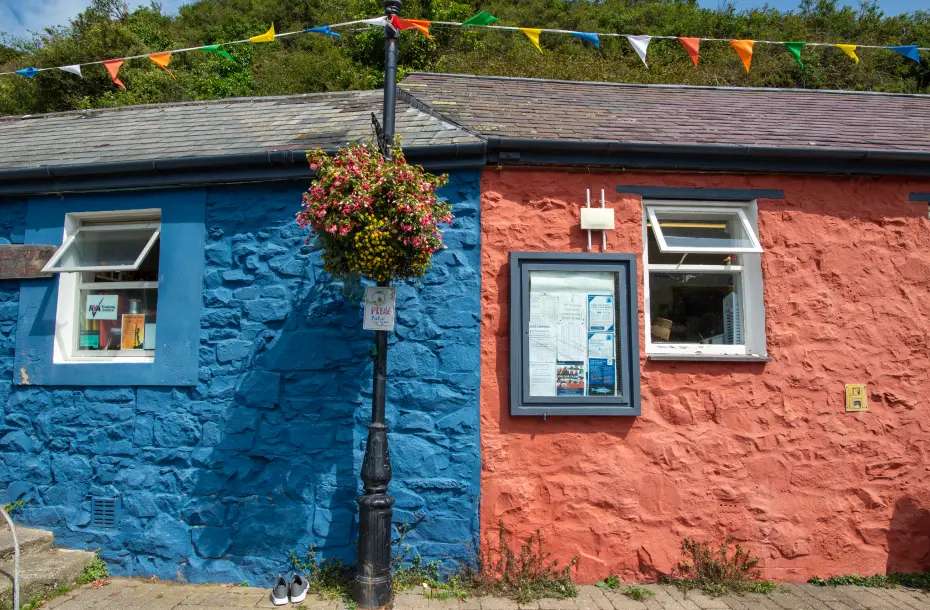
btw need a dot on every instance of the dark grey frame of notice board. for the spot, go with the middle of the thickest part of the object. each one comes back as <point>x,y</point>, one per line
<point>627,334</point>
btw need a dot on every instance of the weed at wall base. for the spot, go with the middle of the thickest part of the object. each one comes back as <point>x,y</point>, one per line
<point>716,572</point>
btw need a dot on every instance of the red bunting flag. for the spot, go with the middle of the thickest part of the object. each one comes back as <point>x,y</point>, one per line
<point>411,24</point>
<point>692,46</point>
<point>112,67</point>
<point>743,48</point>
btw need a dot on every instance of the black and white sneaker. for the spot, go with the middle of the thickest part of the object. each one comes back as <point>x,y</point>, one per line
<point>279,592</point>
<point>298,589</point>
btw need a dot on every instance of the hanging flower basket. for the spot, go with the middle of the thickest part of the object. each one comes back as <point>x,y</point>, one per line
<point>373,218</point>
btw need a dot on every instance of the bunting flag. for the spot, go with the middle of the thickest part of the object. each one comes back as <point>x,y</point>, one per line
<point>909,51</point>
<point>215,48</point>
<point>692,46</point>
<point>323,29</point>
<point>482,19</point>
<point>161,60</point>
<point>533,35</point>
<point>743,48</point>
<point>112,67</point>
<point>589,37</point>
<point>420,25</point>
<point>640,45</point>
<point>795,49</point>
<point>849,49</point>
<point>266,37</point>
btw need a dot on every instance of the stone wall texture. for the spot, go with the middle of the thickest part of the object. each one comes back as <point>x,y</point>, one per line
<point>762,452</point>
<point>220,481</point>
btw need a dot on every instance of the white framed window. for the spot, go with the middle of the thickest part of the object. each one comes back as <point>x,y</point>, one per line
<point>107,287</point>
<point>703,280</point>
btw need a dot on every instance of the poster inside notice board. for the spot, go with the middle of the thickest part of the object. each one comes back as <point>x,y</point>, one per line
<point>572,335</point>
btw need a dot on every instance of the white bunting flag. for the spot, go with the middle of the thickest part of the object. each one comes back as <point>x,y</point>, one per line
<point>640,45</point>
<point>375,21</point>
<point>75,69</point>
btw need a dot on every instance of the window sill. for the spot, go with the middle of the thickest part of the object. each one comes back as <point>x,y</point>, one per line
<point>708,357</point>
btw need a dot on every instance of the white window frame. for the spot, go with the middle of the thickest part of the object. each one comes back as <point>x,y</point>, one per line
<point>50,266</point>
<point>749,273</point>
<point>70,284</point>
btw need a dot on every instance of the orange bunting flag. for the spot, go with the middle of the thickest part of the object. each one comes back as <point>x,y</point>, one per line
<point>161,60</point>
<point>533,35</point>
<point>420,25</point>
<point>691,45</point>
<point>112,67</point>
<point>743,48</point>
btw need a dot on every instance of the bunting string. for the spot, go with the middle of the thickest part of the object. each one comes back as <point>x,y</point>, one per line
<point>268,36</point>
<point>640,43</point>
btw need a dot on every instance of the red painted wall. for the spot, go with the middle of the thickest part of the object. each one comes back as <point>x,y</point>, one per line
<point>765,453</point>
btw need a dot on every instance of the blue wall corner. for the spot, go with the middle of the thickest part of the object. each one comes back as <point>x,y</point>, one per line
<point>261,455</point>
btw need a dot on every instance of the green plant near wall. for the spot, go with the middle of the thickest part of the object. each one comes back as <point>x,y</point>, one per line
<point>716,571</point>
<point>914,580</point>
<point>524,575</point>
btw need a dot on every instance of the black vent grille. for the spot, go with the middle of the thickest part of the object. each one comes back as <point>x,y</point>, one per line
<point>103,512</point>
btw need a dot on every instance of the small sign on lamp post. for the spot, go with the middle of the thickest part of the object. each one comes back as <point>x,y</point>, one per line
<point>379,308</point>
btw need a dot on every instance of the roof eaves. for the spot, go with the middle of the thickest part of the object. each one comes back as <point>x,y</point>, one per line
<point>663,86</point>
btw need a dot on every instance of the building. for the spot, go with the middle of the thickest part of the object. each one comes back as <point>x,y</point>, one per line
<point>769,248</point>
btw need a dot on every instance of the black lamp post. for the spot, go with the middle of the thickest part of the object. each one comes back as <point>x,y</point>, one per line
<point>373,587</point>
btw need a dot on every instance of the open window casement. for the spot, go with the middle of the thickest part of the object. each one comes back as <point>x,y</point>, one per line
<point>120,247</point>
<point>683,230</point>
<point>703,281</point>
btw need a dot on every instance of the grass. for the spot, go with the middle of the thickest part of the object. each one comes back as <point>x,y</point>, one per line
<point>523,575</point>
<point>13,507</point>
<point>94,572</point>
<point>717,572</point>
<point>634,592</point>
<point>914,580</point>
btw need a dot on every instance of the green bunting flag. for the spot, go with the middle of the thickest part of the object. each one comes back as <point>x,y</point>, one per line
<point>795,49</point>
<point>481,19</point>
<point>215,48</point>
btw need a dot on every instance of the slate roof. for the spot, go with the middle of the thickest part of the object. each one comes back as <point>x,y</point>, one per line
<point>223,127</point>
<point>667,114</point>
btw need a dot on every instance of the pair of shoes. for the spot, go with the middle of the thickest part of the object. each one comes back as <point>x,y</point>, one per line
<point>295,590</point>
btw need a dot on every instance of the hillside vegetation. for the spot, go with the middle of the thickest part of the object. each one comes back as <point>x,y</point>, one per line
<point>313,63</point>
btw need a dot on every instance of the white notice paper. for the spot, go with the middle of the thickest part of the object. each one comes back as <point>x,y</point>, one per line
<point>600,313</point>
<point>573,334</point>
<point>601,345</point>
<point>542,360</point>
<point>379,308</point>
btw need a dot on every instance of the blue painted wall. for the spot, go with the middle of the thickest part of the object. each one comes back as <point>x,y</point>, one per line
<point>219,481</point>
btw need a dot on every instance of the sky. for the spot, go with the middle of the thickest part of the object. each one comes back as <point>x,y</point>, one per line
<point>20,16</point>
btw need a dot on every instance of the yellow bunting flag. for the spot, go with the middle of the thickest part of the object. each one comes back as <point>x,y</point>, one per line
<point>849,49</point>
<point>112,67</point>
<point>744,50</point>
<point>161,60</point>
<point>266,37</point>
<point>533,35</point>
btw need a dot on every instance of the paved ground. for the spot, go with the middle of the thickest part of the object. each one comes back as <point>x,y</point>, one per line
<point>124,593</point>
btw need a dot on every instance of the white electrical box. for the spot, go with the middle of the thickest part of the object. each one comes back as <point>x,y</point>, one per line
<point>597,219</point>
